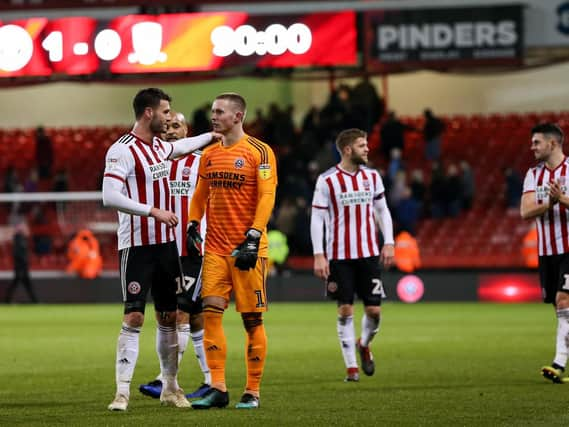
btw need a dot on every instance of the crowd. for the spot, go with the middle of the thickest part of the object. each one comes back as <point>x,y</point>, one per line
<point>437,190</point>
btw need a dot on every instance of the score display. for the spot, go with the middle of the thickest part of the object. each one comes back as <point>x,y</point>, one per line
<point>175,43</point>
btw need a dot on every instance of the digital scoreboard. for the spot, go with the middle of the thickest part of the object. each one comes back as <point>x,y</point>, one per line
<point>187,42</point>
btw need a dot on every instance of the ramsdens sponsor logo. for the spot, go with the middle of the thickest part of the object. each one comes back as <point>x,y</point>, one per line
<point>220,179</point>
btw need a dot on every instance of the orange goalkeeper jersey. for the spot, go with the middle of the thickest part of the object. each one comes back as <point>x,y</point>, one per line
<point>237,188</point>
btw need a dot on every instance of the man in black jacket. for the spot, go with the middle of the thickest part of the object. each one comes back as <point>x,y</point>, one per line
<point>21,266</point>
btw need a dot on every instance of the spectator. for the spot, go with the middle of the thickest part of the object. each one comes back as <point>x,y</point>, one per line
<point>453,192</point>
<point>41,230</point>
<point>44,153</point>
<point>11,182</point>
<point>366,103</point>
<point>200,120</point>
<point>395,163</point>
<point>285,218</point>
<point>392,134</point>
<point>21,264</point>
<point>432,133</point>
<point>397,188</point>
<point>407,258</point>
<point>418,189</point>
<point>257,126</point>
<point>513,188</point>
<point>437,191</point>
<point>407,212</point>
<point>60,181</point>
<point>32,182</point>
<point>468,185</point>
<point>84,255</point>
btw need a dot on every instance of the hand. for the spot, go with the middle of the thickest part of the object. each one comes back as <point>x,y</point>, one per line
<point>216,136</point>
<point>387,255</point>
<point>321,266</point>
<point>194,240</point>
<point>247,252</point>
<point>555,192</point>
<point>165,217</point>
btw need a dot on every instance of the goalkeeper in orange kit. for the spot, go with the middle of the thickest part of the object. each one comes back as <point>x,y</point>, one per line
<point>236,189</point>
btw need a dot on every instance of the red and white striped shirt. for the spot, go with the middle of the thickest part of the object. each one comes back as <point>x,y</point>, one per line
<point>183,180</point>
<point>553,225</point>
<point>144,170</point>
<point>349,198</point>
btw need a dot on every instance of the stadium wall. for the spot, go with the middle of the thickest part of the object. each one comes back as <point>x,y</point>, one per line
<point>438,286</point>
<point>101,104</point>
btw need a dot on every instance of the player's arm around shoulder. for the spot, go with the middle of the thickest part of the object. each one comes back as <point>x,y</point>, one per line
<point>199,198</point>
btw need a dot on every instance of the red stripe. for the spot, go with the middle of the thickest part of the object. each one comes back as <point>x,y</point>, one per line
<point>110,175</point>
<point>156,199</point>
<point>347,249</point>
<point>185,202</point>
<point>141,187</point>
<point>369,216</point>
<point>358,217</point>
<point>320,207</point>
<point>563,215</point>
<point>539,181</point>
<point>335,210</point>
<point>171,198</point>
<point>551,218</point>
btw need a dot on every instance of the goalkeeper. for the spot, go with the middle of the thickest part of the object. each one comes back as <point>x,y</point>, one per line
<point>236,189</point>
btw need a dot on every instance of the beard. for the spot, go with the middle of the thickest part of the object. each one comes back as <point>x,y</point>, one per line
<point>156,126</point>
<point>358,160</point>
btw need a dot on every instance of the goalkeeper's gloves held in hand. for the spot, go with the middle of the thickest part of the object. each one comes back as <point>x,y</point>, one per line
<point>194,240</point>
<point>247,252</point>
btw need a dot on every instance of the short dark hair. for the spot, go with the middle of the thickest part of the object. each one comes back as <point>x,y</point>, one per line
<point>235,98</point>
<point>348,137</point>
<point>149,97</point>
<point>550,129</point>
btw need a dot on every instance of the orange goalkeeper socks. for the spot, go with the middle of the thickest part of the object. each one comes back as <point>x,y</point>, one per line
<point>256,352</point>
<point>215,346</point>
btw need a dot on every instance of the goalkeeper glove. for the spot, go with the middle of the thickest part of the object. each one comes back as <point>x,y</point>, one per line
<point>194,240</point>
<point>247,252</point>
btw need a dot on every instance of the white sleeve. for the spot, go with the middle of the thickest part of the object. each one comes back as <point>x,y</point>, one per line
<point>320,202</point>
<point>379,187</point>
<point>185,146</point>
<point>321,196</point>
<point>113,197</point>
<point>119,164</point>
<point>317,221</point>
<point>529,182</point>
<point>384,220</point>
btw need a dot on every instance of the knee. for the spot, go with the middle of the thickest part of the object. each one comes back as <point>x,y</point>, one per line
<point>214,302</point>
<point>562,300</point>
<point>251,320</point>
<point>134,319</point>
<point>166,318</point>
<point>345,310</point>
<point>196,322</point>
<point>182,318</point>
<point>373,311</point>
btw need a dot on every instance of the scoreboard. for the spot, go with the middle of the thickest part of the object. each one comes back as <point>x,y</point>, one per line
<point>174,43</point>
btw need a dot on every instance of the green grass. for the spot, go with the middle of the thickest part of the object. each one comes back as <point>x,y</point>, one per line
<point>437,365</point>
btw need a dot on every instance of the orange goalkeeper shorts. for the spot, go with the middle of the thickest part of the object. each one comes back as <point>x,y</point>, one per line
<point>220,277</point>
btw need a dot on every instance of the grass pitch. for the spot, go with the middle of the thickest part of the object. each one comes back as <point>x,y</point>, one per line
<point>437,365</point>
